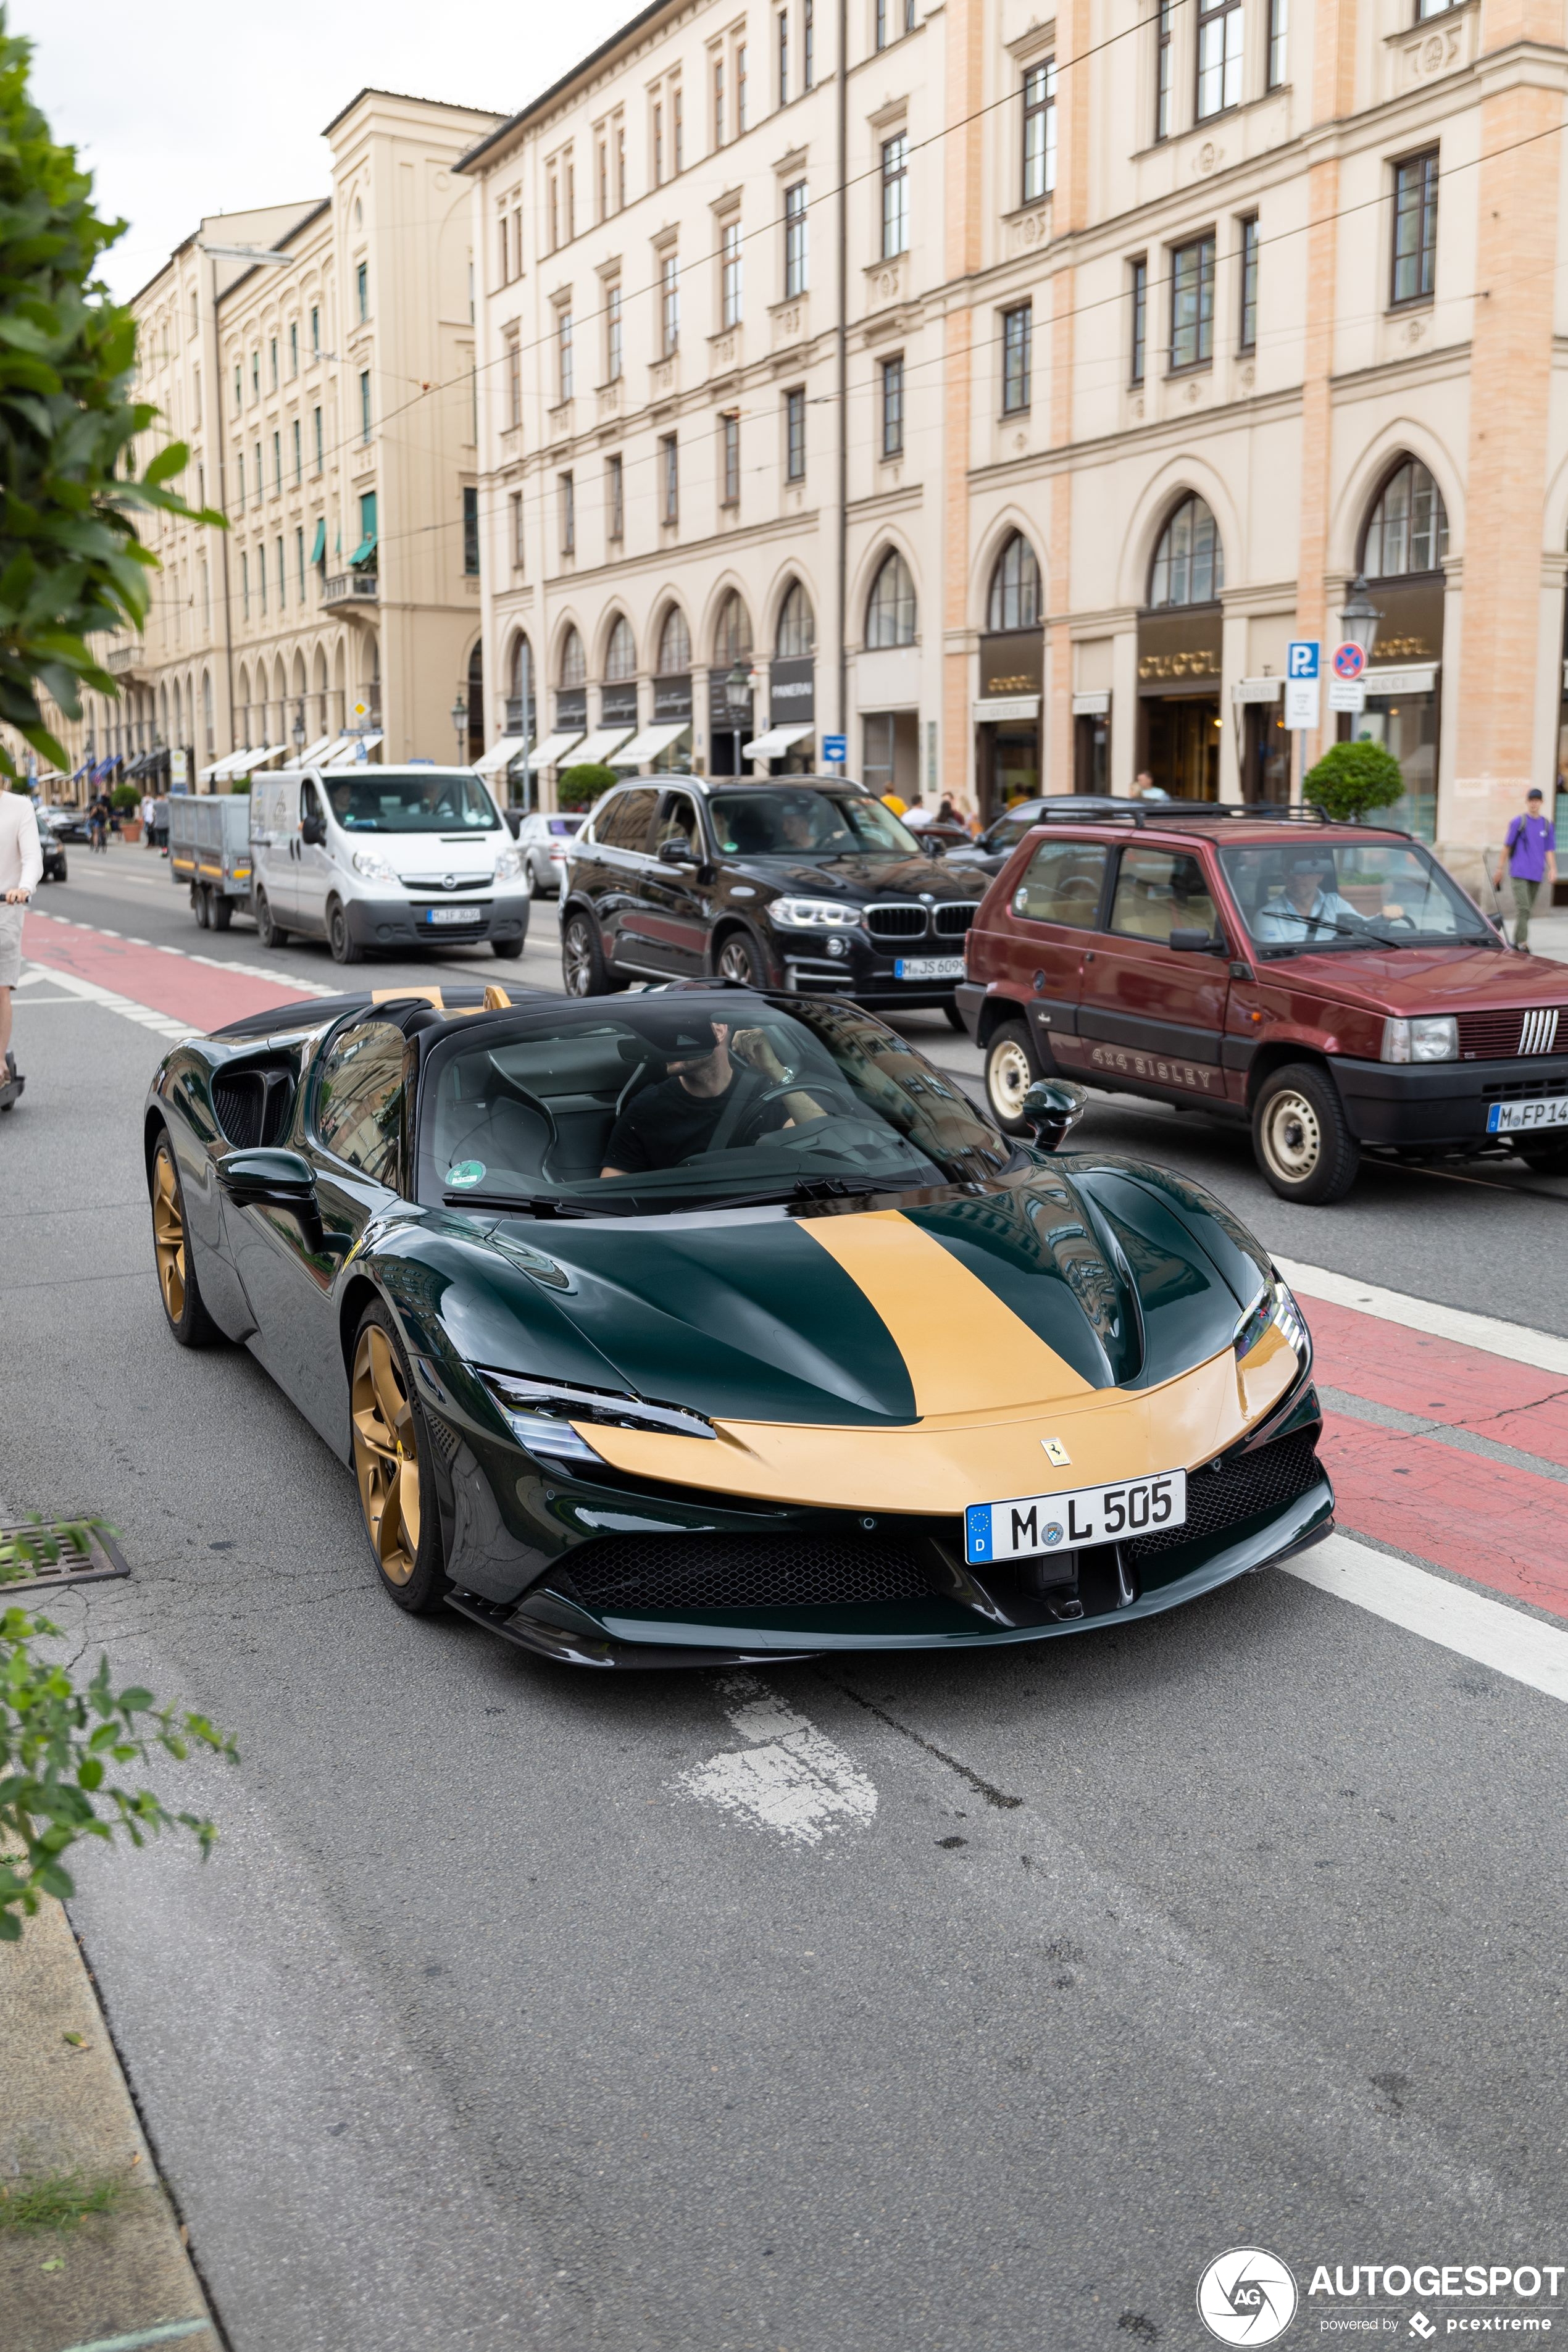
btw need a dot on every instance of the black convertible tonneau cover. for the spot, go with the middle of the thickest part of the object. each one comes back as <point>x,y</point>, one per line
<point>397,1005</point>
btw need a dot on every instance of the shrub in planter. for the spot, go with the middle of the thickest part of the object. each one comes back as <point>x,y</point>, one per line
<point>1350,779</point>
<point>125,797</point>
<point>579,788</point>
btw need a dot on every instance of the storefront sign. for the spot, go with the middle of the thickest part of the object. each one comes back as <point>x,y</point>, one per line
<point>1179,653</point>
<point>1410,626</point>
<point>792,691</point>
<point>571,707</point>
<point>618,704</point>
<point>1013,662</point>
<point>672,696</point>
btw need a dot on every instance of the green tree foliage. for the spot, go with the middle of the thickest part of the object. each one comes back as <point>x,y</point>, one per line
<point>580,787</point>
<point>1351,779</point>
<point>70,562</point>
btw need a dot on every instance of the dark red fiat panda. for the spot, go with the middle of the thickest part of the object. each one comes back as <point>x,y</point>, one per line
<point>1329,983</point>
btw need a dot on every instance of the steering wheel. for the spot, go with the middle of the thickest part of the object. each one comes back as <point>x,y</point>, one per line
<point>1396,921</point>
<point>818,1091</point>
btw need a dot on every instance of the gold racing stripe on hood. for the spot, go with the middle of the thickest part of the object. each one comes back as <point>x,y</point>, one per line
<point>963,1347</point>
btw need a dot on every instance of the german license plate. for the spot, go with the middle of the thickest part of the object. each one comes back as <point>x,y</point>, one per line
<point>452,914</point>
<point>1033,1524</point>
<point>929,968</point>
<point>1540,1111</point>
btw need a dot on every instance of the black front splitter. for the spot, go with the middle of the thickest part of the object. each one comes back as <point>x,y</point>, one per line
<point>569,1646</point>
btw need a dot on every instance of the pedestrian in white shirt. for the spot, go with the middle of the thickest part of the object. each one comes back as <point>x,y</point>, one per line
<point>21,871</point>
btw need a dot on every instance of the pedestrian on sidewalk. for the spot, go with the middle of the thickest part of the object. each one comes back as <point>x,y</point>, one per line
<point>1530,854</point>
<point>21,871</point>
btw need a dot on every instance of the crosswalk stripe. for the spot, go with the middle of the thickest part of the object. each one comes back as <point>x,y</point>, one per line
<point>1489,1633</point>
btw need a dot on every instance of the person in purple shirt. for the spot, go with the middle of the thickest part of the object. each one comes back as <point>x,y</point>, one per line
<point>1530,853</point>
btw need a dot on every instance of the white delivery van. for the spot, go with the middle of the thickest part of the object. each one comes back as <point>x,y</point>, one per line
<point>364,857</point>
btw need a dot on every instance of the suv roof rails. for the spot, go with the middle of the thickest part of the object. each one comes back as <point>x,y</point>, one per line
<point>1180,813</point>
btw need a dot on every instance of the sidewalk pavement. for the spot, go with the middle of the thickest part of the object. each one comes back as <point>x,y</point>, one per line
<point>1548,935</point>
<point>120,2278</point>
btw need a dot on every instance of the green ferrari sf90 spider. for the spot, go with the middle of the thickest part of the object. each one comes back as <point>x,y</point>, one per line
<point>702,1325</point>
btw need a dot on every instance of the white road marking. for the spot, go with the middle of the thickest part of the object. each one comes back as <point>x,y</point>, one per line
<point>1517,1342</point>
<point>163,1024</point>
<point>1490,1633</point>
<point>792,1777</point>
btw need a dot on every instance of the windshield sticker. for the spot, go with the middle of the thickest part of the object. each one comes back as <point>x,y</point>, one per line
<point>465,1172</point>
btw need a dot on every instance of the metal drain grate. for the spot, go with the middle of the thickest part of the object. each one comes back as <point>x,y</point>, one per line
<point>87,1553</point>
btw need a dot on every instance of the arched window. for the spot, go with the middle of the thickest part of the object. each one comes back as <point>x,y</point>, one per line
<point>574,664</point>
<point>1015,587</point>
<point>797,626</point>
<point>674,644</point>
<point>521,669</point>
<point>621,653</point>
<point>1189,563</point>
<point>891,608</point>
<point>1408,529</point>
<point>733,636</point>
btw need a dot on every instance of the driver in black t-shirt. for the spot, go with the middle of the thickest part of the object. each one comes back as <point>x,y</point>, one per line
<point>672,1121</point>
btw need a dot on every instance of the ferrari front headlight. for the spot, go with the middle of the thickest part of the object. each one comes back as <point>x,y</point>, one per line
<point>1274,1308</point>
<point>814,914</point>
<point>540,1414</point>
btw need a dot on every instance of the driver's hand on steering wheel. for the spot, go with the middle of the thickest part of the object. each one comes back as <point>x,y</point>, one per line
<point>755,1049</point>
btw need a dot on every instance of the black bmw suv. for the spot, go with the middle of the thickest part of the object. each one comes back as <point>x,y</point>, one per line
<point>805,883</point>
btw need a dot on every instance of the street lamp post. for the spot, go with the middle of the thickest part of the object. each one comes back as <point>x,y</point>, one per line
<point>1359,617</point>
<point>460,726</point>
<point>298,733</point>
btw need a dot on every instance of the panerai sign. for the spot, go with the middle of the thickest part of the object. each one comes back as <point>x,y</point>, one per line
<point>792,690</point>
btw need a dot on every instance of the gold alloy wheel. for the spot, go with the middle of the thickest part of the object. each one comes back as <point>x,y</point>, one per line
<point>1292,1138</point>
<point>169,1234</point>
<point>387,1455</point>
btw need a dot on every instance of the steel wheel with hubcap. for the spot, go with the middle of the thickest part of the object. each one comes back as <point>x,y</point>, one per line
<point>395,1487</point>
<point>1010,1072</point>
<point>345,948</point>
<point>268,930</point>
<point>189,1321</point>
<point>1300,1137</point>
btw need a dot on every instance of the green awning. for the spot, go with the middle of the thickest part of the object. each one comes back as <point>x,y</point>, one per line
<point>318,544</point>
<point>365,549</point>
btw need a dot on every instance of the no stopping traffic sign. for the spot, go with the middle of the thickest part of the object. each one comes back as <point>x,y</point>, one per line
<point>1349,661</point>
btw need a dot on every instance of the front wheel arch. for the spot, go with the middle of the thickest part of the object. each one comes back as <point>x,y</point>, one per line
<point>767,962</point>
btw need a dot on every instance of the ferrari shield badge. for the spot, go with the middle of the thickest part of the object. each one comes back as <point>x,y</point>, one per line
<point>1057,1452</point>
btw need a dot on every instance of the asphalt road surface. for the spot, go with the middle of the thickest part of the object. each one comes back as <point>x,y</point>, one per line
<point>510,2013</point>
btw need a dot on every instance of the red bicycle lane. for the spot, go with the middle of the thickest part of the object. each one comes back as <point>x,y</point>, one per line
<point>163,980</point>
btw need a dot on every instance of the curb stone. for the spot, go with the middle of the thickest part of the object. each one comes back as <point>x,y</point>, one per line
<point>124,2279</point>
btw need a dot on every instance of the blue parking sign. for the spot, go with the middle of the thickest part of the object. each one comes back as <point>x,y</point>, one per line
<point>1301,657</point>
<point>836,750</point>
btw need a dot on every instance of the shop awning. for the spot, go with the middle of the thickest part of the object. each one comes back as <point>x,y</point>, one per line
<point>313,751</point>
<point>777,741</point>
<point>265,759</point>
<point>365,548</point>
<point>502,753</point>
<point>554,747</point>
<point>599,743</point>
<point>220,768</point>
<point>992,707</point>
<point>651,743</point>
<point>318,544</point>
<point>352,746</point>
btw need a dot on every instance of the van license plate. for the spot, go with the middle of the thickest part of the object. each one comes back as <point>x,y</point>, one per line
<point>929,968</point>
<point>453,914</point>
<point>1514,1118</point>
<point>1091,1515</point>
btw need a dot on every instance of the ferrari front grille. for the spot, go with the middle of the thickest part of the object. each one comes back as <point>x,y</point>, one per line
<point>697,1573</point>
<point>1248,1485</point>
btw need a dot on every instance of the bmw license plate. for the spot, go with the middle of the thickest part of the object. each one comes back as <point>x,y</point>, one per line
<point>1091,1515</point>
<point>452,914</point>
<point>1540,1111</point>
<point>929,968</point>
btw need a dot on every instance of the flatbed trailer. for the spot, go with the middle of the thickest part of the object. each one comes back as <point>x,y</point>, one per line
<point>209,854</point>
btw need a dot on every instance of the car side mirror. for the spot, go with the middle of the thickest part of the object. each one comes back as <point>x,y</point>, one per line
<point>314,830</point>
<point>932,846</point>
<point>676,852</point>
<point>1196,943</point>
<point>1051,1109</point>
<point>264,1178</point>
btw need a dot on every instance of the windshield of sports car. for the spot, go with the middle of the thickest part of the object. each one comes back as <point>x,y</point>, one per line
<point>1346,894</point>
<point>388,799</point>
<point>685,1101</point>
<point>805,821</point>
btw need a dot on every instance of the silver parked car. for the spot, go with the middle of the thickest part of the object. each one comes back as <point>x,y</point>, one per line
<point>546,846</point>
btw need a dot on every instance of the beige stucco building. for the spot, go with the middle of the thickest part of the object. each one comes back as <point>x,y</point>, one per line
<point>1010,400</point>
<point>326,390</point>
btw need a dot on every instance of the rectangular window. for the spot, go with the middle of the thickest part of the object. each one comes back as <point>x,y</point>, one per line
<point>613,361</point>
<point>729,273</point>
<point>299,562</point>
<point>882,34</point>
<point>718,101</point>
<point>670,301</point>
<point>615,497</point>
<point>272,360</point>
<point>364,405</point>
<point>570,199</point>
<point>238,388</point>
<point>277,465</point>
<point>1164,66</point>
<point>795,434</point>
<point>678,126</point>
<point>795,254</point>
<point>294,348</point>
<point>315,333</point>
<point>362,290</point>
<point>260,477</point>
<point>893,408</point>
<point>1219,56</point>
<point>1415,227</point>
<point>261,571</point>
<point>784,57</point>
<point>566,492</point>
<point>1192,304</point>
<point>239,475</point>
<point>620,166</point>
<point>1039,130</point>
<point>245,586</point>
<point>1137,287</point>
<point>563,368</point>
<point>601,159</point>
<point>1279,41</point>
<point>256,375</point>
<point>471,532</point>
<point>895,196</point>
<point>553,211</point>
<point>1247,335</point>
<point>1017,358</point>
<point>807,46</point>
<point>658,146</point>
<point>513,382</point>
<point>514,511</point>
<point>281,593</point>
<point>741,96</point>
<point>505,249</point>
<point>669,478</point>
<point>298,453</point>
<point>316,429</point>
<point>730,459</point>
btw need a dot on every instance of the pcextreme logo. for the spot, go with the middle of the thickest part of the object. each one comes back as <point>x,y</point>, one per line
<point>1247,2296</point>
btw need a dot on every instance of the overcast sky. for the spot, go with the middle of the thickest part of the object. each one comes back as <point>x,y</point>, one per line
<point>182,108</point>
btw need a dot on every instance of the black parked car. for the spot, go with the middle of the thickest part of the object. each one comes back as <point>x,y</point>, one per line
<point>805,883</point>
<point>51,842</point>
<point>990,851</point>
